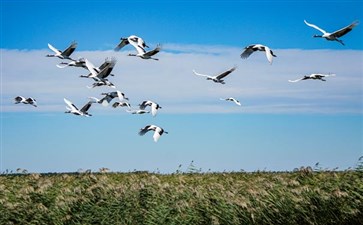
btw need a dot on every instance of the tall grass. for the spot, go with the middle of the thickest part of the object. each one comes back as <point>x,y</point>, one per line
<point>300,197</point>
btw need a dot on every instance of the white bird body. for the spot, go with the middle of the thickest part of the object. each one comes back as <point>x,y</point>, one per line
<point>218,78</point>
<point>334,35</point>
<point>232,100</point>
<point>158,131</point>
<point>258,47</point>
<point>313,76</point>
<point>74,110</point>
<point>133,38</point>
<point>100,83</point>
<point>62,54</point>
<point>154,106</point>
<point>21,99</point>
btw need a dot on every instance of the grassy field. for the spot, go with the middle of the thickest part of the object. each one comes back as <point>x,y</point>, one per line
<point>300,197</point>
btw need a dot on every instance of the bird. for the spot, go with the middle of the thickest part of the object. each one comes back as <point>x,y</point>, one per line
<point>102,72</point>
<point>63,54</point>
<point>81,62</point>
<point>335,35</point>
<point>313,76</point>
<point>232,100</point>
<point>137,111</point>
<point>154,106</point>
<point>111,95</point>
<point>158,131</point>
<point>142,53</point>
<point>132,38</point>
<point>217,78</point>
<point>258,47</point>
<point>100,83</point>
<point>21,99</point>
<point>121,104</point>
<point>74,110</point>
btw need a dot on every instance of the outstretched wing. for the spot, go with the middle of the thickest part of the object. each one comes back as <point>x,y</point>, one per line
<point>294,81</point>
<point>70,49</point>
<point>247,52</point>
<point>199,74</point>
<point>122,44</point>
<point>314,26</point>
<point>268,54</point>
<point>144,130</point>
<point>224,74</point>
<point>54,49</point>
<point>153,52</point>
<point>345,30</point>
<point>70,104</point>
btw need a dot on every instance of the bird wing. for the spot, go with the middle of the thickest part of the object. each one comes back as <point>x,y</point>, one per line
<point>247,52</point>
<point>86,107</point>
<point>70,104</point>
<point>345,30</point>
<point>153,52</point>
<point>199,74</point>
<point>105,72</point>
<point>122,44</point>
<point>294,81</point>
<point>154,110</point>
<point>54,49</point>
<point>65,65</point>
<point>19,98</point>
<point>144,104</point>
<point>236,101</point>
<point>316,27</point>
<point>70,49</point>
<point>157,133</point>
<point>268,54</point>
<point>226,73</point>
<point>144,130</point>
<point>91,68</point>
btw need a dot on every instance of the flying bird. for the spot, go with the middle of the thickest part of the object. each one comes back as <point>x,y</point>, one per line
<point>100,83</point>
<point>144,54</point>
<point>217,78</point>
<point>74,110</point>
<point>121,104</point>
<point>21,99</point>
<point>133,38</point>
<point>137,111</point>
<point>232,100</point>
<point>158,131</point>
<point>313,76</point>
<point>335,35</point>
<point>63,54</point>
<point>81,62</point>
<point>258,47</point>
<point>111,95</point>
<point>102,72</point>
<point>154,106</point>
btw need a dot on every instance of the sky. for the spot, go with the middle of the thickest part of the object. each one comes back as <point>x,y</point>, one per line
<point>280,125</point>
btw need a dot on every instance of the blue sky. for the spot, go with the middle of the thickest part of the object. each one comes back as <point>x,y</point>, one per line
<point>280,125</point>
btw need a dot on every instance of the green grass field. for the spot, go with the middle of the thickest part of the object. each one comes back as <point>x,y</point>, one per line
<point>300,197</point>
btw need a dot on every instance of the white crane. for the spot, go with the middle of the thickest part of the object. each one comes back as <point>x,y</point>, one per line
<point>102,72</point>
<point>121,104</point>
<point>62,54</point>
<point>133,38</point>
<point>21,99</point>
<point>313,76</point>
<point>154,106</point>
<point>158,131</point>
<point>258,47</point>
<point>100,83</point>
<point>111,95</point>
<point>142,53</point>
<point>218,78</point>
<point>81,62</point>
<point>335,35</point>
<point>137,111</point>
<point>74,110</point>
<point>232,100</point>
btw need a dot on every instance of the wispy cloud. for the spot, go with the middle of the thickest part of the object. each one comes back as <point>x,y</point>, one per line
<point>262,88</point>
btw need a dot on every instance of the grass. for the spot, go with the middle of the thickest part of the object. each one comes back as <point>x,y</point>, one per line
<point>300,197</point>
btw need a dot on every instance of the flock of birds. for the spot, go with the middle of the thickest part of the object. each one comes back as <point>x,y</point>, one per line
<point>100,75</point>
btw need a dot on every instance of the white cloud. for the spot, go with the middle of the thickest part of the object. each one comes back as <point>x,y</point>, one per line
<point>262,88</point>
